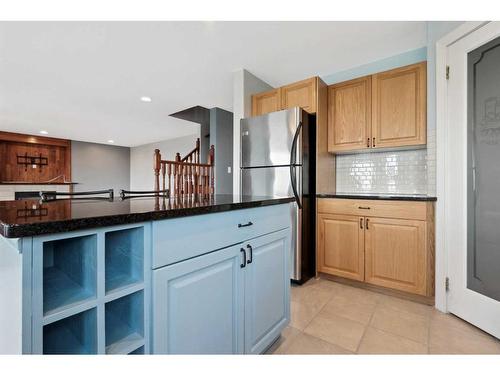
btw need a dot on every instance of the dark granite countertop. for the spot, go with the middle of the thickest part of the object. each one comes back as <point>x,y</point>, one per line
<point>389,197</point>
<point>30,217</point>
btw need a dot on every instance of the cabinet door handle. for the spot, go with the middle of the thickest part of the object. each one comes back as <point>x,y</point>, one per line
<point>367,142</point>
<point>250,260</point>
<point>367,221</point>
<point>242,250</point>
<point>363,208</point>
<point>245,225</point>
<point>361,223</point>
<point>373,143</point>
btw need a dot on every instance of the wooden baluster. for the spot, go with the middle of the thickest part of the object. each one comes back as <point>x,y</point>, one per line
<point>163,173</point>
<point>190,180</point>
<point>169,172</point>
<point>156,168</point>
<point>176,179</point>
<point>181,184</point>
<point>186,179</point>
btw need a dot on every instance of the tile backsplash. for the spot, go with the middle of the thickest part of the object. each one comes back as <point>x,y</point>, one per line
<point>394,172</point>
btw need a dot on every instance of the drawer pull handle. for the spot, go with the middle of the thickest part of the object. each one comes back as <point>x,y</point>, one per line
<point>367,142</point>
<point>250,260</point>
<point>367,221</point>
<point>245,225</point>
<point>242,265</point>
<point>363,208</point>
<point>361,223</point>
<point>373,143</point>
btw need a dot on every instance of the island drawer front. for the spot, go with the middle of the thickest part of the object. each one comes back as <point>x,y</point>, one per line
<point>375,208</point>
<point>175,240</point>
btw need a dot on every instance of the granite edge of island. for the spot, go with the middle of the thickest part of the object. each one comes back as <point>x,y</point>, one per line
<point>63,226</point>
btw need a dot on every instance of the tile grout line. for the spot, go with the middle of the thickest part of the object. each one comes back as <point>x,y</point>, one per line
<point>367,326</point>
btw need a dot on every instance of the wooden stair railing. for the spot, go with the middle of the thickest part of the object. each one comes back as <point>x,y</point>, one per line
<point>185,175</point>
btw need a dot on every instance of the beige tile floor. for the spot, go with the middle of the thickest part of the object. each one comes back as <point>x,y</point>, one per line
<point>331,318</point>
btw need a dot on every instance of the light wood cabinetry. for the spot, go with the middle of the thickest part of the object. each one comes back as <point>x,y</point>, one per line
<point>265,102</point>
<point>384,243</point>
<point>395,254</point>
<point>349,115</point>
<point>384,110</point>
<point>341,245</point>
<point>300,94</point>
<point>311,95</point>
<point>399,107</point>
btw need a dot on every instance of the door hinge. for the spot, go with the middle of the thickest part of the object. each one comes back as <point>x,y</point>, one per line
<point>447,284</point>
<point>447,72</point>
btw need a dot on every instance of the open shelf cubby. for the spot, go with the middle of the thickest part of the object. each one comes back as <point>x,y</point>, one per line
<point>76,334</point>
<point>69,272</point>
<point>124,254</point>
<point>124,319</point>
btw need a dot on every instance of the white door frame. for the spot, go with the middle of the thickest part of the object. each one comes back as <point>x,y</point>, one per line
<point>442,162</point>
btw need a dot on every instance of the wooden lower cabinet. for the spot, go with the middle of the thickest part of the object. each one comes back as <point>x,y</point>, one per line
<point>341,246</point>
<point>390,245</point>
<point>395,254</point>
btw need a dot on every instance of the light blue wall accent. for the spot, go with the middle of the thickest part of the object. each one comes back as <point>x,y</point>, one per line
<point>392,62</point>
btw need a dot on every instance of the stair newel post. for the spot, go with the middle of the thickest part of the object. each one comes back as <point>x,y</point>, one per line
<point>156,168</point>
<point>197,152</point>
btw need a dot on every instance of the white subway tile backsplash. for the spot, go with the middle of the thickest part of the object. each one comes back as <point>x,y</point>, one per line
<point>396,172</point>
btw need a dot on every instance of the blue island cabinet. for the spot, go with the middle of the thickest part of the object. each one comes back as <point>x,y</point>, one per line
<point>203,284</point>
<point>233,300</point>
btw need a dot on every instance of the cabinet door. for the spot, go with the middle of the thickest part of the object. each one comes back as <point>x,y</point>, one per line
<point>341,245</point>
<point>399,107</point>
<point>349,115</point>
<point>395,254</point>
<point>267,290</point>
<point>300,94</point>
<point>266,102</point>
<point>198,305</point>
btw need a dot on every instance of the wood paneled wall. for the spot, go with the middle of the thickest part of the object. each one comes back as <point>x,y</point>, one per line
<point>57,152</point>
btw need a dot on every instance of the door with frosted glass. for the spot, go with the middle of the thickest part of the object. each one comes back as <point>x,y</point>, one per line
<point>471,199</point>
<point>483,167</point>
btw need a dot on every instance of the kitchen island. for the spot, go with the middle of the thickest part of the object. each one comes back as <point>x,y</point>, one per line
<point>144,275</point>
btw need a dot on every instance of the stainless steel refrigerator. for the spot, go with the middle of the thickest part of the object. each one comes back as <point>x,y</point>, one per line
<point>278,158</point>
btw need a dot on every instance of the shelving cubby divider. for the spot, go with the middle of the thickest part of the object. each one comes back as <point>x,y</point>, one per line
<point>80,257</point>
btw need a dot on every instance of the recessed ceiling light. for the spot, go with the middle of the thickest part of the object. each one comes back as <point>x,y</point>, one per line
<point>111,141</point>
<point>146,99</point>
<point>44,132</point>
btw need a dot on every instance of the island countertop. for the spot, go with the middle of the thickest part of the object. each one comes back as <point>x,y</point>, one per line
<point>31,217</point>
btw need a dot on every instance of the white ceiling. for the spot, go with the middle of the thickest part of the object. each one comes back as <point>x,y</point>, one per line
<point>83,80</point>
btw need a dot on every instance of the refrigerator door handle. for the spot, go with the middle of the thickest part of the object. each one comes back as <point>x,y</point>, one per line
<point>292,165</point>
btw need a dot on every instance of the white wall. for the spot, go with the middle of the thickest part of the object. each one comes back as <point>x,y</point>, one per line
<point>141,159</point>
<point>244,85</point>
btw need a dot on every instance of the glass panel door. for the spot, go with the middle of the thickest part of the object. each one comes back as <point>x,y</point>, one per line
<point>483,170</point>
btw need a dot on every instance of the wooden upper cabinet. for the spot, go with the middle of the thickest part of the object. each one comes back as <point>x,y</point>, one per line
<point>399,107</point>
<point>349,115</point>
<point>300,94</point>
<point>265,102</point>
<point>341,246</point>
<point>396,255</point>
